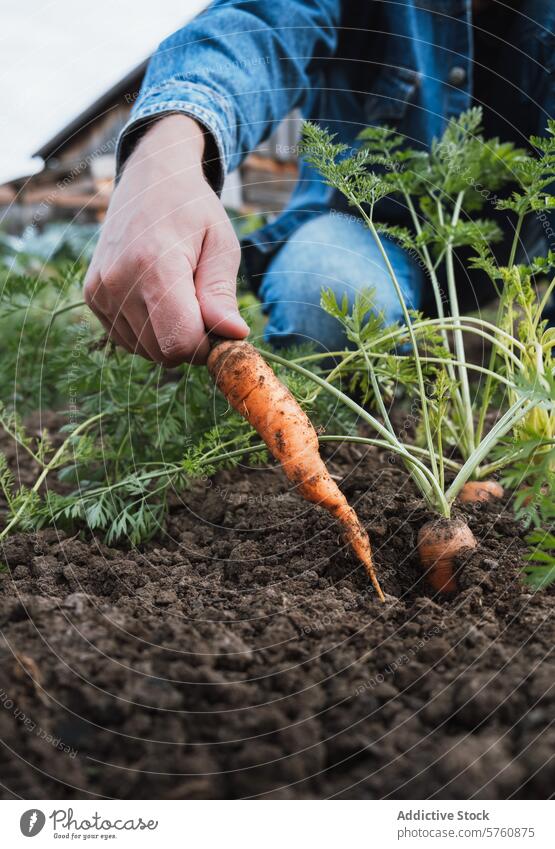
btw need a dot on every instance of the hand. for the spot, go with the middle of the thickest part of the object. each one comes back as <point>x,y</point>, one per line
<point>165,267</point>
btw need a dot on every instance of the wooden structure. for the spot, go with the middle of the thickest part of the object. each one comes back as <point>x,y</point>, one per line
<point>79,165</point>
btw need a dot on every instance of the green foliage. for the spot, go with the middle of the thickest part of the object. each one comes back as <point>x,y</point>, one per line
<point>444,190</point>
<point>534,175</point>
<point>532,476</point>
<point>125,433</point>
<point>348,174</point>
<point>540,572</point>
<point>362,323</point>
<point>380,346</point>
<point>129,434</point>
<point>463,161</point>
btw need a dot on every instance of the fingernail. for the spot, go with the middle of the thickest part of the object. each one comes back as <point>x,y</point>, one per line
<point>238,320</point>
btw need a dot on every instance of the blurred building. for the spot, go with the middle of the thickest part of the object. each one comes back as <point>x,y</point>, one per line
<point>79,165</point>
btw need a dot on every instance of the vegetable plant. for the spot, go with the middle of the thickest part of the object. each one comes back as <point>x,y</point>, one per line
<point>532,474</point>
<point>111,438</point>
<point>128,436</point>
<point>252,388</point>
<point>440,191</point>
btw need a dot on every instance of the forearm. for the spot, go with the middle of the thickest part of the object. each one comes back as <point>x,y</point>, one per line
<point>237,69</point>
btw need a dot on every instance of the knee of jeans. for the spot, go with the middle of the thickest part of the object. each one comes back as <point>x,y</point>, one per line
<point>290,293</point>
<point>297,323</point>
<point>291,287</point>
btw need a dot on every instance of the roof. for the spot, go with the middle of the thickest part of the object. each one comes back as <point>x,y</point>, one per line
<point>127,85</point>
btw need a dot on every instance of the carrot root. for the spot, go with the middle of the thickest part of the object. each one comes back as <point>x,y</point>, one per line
<point>252,388</point>
<point>359,541</point>
<point>439,543</point>
<point>475,492</point>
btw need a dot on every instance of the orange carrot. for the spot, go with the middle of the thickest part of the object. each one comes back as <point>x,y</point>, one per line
<point>476,491</point>
<point>439,543</point>
<point>252,388</point>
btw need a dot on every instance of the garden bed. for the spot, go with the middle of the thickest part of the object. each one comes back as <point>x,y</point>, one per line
<point>244,654</point>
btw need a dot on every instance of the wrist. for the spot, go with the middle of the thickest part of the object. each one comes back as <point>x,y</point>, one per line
<point>176,137</point>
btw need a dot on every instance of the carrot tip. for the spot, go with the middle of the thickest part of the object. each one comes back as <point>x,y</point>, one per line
<point>241,373</point>
<point>379,591</point>
<point>375,582</point>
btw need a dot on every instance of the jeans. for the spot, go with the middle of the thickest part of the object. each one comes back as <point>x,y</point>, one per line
<point>337,251</point>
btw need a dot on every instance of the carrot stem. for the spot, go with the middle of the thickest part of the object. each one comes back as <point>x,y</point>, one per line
<point>429,485</point>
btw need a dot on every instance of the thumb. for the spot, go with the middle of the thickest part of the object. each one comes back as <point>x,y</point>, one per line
<point>215,283</point>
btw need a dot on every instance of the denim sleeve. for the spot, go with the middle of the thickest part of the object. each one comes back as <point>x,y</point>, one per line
<point>238,69</point>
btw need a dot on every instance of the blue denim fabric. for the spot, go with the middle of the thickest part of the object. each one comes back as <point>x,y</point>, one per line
<point>338,252</point>
<point>242,65</point>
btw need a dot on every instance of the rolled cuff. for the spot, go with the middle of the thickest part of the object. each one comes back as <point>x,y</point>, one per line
<point>195,100</point>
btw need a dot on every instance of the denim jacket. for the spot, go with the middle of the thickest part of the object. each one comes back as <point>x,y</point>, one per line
<point>242,65</point>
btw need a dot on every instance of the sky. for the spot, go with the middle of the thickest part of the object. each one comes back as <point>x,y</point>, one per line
<point>58,56</point>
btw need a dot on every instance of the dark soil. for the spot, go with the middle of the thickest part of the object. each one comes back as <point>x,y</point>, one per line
<point>244,654</point>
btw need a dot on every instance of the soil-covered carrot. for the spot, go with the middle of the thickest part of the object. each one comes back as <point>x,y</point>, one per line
<point>476,491</point>
<point>252,388</point>
<point>440,542</point>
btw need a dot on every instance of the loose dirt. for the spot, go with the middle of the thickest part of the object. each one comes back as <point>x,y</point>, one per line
<point>244,653</point>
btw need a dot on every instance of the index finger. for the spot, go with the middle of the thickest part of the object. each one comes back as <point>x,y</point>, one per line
<point>177,320</point>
